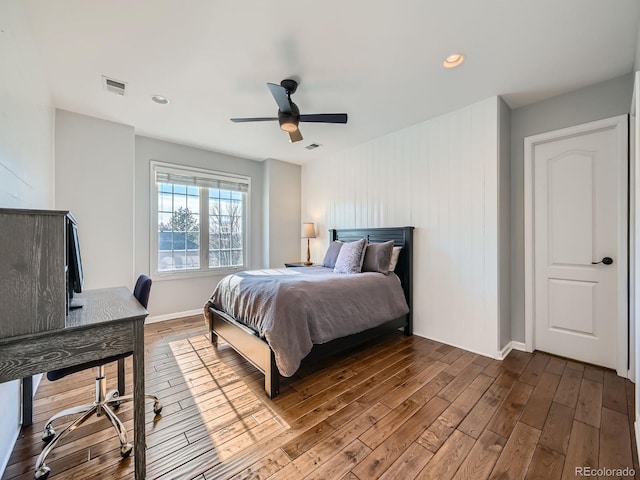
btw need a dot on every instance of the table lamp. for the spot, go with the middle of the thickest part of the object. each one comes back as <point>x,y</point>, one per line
<point>308,231</point>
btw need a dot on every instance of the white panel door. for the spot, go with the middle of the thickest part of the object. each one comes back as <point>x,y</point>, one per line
<point>576,224</point>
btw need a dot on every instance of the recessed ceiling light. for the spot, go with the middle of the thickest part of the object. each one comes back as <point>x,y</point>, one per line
<point>160,99</point>
<point>453,60</point>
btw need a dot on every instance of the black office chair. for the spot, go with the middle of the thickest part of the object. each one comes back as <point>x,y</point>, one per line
<point>103,399</point>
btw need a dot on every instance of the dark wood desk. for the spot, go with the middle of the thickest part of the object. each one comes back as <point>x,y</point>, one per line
<point>110,323</point>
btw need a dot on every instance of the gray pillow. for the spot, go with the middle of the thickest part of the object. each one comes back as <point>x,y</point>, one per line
<point>350,257</point>
<point>377,257</point>
<point>332,254</point>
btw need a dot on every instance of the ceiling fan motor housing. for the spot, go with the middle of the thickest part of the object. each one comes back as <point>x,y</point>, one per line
<point>289,121</point>
<point>289,85</point>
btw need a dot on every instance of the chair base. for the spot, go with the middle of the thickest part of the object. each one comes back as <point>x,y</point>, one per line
<point>102,404</point>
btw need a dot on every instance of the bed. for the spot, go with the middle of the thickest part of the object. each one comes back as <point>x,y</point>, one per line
<point>248,342</point>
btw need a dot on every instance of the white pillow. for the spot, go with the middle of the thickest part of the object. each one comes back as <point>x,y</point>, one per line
<point>394,258</point>
<point>351,257</point>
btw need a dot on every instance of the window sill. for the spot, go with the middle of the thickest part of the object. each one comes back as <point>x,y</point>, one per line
<point>184,275</point>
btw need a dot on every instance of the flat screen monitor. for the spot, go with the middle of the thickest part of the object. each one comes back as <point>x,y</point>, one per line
<point>75,274</point>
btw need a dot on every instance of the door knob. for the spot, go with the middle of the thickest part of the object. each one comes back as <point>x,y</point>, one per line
<point>605,260</point>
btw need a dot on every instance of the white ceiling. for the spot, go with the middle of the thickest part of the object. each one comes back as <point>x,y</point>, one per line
<point>379,61</point>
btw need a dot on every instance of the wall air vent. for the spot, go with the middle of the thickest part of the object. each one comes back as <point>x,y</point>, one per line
<point>113,86</point>
<point>312,146</point>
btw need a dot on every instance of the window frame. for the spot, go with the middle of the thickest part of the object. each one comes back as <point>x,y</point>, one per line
<point>204,270</point>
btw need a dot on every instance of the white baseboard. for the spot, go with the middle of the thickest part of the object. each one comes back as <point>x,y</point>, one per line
<point>36,382</point>
<point>512,345</point>
<point>484,354</point>
<point>11,443</point>
<point>172,316</point>
<point>502,354</point>
<point>636,427</point>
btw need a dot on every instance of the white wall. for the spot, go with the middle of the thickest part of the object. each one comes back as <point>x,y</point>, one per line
<point>26,157</point>
<point>603,100</point>
<point>634,250</point>
<point>636,63</point>
<point>504,234</point>
<point>282,224</point>
<point>172,296</point>
<point>102,176</point>
<point>94,180</point>
<point>26,116</point>
<point>441,177</point>
<point>634,297</point>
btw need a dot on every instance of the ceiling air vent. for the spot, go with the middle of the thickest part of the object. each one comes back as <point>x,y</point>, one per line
<point>113,86</point>
<point>312,146</point>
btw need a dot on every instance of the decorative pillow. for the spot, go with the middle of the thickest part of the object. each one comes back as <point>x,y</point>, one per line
<point>377,257</point>
<point>394,258</point>
<point>332,254</point>
<point>350,257</point>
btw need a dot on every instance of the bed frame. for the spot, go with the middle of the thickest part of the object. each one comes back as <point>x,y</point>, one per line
<point>256,350</point>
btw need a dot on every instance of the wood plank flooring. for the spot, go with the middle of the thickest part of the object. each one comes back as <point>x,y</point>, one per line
<point>397,408</point>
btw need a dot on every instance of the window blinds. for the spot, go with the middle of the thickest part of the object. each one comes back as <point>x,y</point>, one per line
<point>200,179</point>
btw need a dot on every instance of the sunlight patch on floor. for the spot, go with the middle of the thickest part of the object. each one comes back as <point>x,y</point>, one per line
<point>234,417</point>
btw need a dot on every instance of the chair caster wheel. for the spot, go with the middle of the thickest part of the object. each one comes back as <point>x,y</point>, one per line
<point>115,405</point>
<point>48,434</point>
<point>126,449</point>
<point>42,472</point>
<point>157,408</point>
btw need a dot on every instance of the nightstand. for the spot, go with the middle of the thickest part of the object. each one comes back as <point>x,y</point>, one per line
<point>299,264</point>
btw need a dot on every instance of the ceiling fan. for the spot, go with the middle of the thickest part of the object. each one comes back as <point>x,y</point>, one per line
<point>288,113</point>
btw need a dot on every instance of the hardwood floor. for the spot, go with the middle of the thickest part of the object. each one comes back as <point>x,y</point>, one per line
<point>398,408</point>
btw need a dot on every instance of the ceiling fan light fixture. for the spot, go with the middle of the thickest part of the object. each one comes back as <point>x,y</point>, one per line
<point>288,125</point>
<point>295,136</point>
<point>453,60</point>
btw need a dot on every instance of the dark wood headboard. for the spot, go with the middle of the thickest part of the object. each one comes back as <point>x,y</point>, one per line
<point>402,237</point>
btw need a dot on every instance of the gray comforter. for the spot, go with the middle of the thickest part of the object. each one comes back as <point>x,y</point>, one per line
<point>294,308</point>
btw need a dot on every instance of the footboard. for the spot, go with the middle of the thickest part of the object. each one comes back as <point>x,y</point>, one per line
<point>247,344</point>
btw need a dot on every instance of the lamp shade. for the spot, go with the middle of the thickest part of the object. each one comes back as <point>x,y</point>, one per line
<point>308,230</point>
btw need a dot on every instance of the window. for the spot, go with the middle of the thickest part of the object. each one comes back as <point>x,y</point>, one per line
<point>199,219</point>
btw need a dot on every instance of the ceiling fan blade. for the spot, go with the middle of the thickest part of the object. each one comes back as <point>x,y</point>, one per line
<point>295,136</point>
<point>281,97</point>
<point>325,118</point>
<point>258,119</point>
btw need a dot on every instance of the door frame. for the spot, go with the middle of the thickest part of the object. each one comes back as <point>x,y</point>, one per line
<point>619,123</point>
<point>634,161</point>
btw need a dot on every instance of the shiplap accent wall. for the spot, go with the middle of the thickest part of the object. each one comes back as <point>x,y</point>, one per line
<point>441,177</point>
